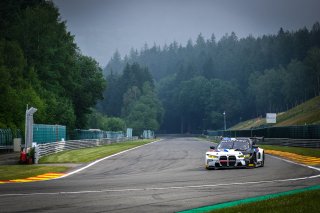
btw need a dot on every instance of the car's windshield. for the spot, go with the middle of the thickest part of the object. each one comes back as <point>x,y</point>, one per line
<point>241,145</point>
<point>225,145</point>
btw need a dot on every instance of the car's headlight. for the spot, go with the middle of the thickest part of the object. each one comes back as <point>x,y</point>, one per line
<point>247,156</point>
<point>241,156</point>
<point>212,156</point>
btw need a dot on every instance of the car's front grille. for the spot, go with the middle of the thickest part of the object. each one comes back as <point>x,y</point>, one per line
<point>232,160</point>
<point>223,158</point>
<point>227,160</point>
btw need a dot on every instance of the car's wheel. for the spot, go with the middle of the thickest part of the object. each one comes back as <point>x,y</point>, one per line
<point>262,162</point>
<point>254,159</point>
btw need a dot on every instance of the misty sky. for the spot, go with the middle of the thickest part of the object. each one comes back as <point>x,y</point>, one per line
<point>103,26</point>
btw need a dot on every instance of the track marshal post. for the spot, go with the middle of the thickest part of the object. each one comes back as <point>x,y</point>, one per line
<point>29,128</point>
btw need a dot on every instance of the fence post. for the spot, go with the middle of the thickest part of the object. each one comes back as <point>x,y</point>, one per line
<point>36,154</point>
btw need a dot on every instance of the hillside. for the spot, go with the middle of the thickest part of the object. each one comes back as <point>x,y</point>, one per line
<point>306,113</point>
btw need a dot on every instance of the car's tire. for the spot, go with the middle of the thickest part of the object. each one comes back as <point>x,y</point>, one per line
<point>262,162</point>
<point>254,160</point>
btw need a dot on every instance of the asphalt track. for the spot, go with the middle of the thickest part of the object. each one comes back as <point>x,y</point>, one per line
<point>166,176</point>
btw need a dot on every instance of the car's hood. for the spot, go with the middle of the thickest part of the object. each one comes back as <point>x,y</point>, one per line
<point>224,152</point>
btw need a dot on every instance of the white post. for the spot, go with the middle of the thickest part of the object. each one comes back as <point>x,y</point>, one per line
<point>225,125</point>
<point>36,154</point>
<point>25,131</point>
<point>29,127</point>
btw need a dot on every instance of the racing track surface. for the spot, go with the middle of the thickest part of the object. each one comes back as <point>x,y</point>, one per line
<point>165,176</point>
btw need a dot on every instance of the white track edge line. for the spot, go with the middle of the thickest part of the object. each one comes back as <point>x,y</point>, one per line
<point>99,160</point>
<point>300,164</point>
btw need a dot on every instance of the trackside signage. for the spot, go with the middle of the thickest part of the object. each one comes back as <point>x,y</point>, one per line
<point>271,118</point>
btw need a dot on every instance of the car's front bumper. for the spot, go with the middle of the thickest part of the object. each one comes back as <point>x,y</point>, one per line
<point>226,162</point>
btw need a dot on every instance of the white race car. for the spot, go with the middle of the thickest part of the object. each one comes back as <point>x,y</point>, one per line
<point>235,152</point>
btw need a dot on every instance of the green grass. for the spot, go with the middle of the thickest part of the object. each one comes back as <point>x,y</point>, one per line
<point>90,154</point>
<point>10,172</point>
<point>305,113</point>
<point>249,123</point>
<point>301,202</point>
<point>24,171</point>
<point>297,150</point>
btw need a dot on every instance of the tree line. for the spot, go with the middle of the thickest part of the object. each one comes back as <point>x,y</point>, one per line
<point>41,66</point>
<point>173,88</point>
<point>244,77</point>
<point>131,96</point>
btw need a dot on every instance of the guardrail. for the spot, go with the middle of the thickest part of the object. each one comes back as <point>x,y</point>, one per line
<point>307,143</point>
<point>295,132</point>
<point>55,147</point>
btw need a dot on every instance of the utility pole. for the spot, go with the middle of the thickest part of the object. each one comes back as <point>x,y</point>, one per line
<point>224,118</point>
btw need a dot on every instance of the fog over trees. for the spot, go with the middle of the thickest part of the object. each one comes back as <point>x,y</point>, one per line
<point>173,88</point>
<point>245,77</point>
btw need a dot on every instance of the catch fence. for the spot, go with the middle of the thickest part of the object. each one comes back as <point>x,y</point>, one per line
<point>7,136</point>
<point>80,134</point>
<point>306,143</point>
<point>293,132</point>
<point>43,133</point>
<point>298,136</point>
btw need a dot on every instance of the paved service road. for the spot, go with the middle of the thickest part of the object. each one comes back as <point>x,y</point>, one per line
<point>165,176</point>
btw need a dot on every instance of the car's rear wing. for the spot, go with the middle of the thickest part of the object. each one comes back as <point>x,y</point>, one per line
<point>256,139</point>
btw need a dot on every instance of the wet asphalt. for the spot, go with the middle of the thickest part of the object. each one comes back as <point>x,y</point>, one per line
<point>166,176</point>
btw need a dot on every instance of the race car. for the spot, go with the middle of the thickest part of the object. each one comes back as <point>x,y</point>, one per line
<point>235,152</point>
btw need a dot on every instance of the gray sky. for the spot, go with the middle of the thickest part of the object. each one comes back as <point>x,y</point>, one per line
<point>103,26</point>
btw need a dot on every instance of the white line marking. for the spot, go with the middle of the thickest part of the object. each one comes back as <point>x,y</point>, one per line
<point>167,188</point>
<point>177,187</point>
<point>289,161</point>
<point>97,161</point>
<point>164,188</point>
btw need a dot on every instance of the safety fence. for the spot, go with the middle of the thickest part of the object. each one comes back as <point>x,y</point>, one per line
<point>55,147</point>
<point>306,143</point>
<point>293,132</point>
<point>79,134</point>
<point>43,133</point>
<point>7,136</point>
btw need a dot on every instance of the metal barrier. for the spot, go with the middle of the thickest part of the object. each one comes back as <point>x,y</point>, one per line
<point>6,138</point>
<point>80,134</point>
<point>55,147</point>
<point>294,132</point>
<point>307,143</point>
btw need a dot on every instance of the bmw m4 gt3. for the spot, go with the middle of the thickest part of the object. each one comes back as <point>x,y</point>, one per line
<point>235,152</point>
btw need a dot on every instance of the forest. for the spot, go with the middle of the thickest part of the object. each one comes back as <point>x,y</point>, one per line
<point>41,66</point>
<point>172,89</point>
<point>243,77</point>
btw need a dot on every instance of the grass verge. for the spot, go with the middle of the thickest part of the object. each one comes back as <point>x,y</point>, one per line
<point>91,154</point>
<point>297,150</point>
<point>24,171</point>
<point>301,202</point>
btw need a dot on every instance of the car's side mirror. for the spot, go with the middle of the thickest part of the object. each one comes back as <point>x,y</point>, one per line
<point>212,147</point>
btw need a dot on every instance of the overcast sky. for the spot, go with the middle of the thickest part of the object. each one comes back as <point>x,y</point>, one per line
<point>103,26</point>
